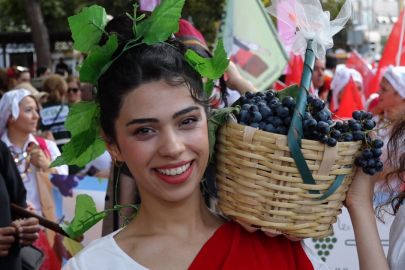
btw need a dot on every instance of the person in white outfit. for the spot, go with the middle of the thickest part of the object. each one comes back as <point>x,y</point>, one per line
<point>359,199</point>
<point>18,122</point>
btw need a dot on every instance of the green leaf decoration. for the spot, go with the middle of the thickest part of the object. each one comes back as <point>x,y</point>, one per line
<point>85,144</point>
<point>141,28</point>
<point>290,91</point>
<point>87,27</point>
<point>135,19</point>
<point>211,68</point>
<point>86,216</point>
<point>218,118</point>
<point>163,22</point>
<point>208,87</point>
<point>97,59</point>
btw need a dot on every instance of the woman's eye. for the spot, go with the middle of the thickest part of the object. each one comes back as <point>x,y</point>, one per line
<point>143,131</point>
<point>189,121</point>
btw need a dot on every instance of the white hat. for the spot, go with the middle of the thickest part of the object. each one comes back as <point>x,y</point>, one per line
<point>339,81</point>
<point>9,105</point>
<point>34,92</point>
<point>356,76</point>
<point>396,77</point>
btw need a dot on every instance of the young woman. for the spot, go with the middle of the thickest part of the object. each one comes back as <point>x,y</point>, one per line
<point>23,75</point>
<point>154,120</point>
<point>391,100</point>
<point>55,111</point>
<point>360,195</point>
<point>74,92</point>
<point>18,122</point>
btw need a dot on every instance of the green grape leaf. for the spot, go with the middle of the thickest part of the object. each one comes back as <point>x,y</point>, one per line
<point>87,27</point>
<point>141,28</point>
<point>208,87</point>
<point>290,91</point>
<point>211,68</point>
<point>80,117</point>
<point>86,216</point>
<point>85,144</point>
<point>97,59</point>
<point>92,149</point>
<point>219,117</point>
<point>163,22</point>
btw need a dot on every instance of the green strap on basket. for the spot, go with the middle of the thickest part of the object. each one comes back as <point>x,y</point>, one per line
<point>295,132</point>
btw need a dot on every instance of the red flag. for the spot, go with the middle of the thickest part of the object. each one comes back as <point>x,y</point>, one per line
<point>389,56</point>
<point>350,101</point>
<point>295,69</point>
<point>279,85</point>
<point>355,62</point>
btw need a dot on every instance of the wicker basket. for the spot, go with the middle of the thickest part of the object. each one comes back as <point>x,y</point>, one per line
<point>260,186</point>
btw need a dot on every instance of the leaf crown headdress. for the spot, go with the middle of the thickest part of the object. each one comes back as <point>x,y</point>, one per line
<point>88,28</point>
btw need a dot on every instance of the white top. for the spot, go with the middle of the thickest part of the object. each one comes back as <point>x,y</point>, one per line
<point>396,251</point>
<point>105,254</point>
<point>103,162</point>
<point>30,181</point>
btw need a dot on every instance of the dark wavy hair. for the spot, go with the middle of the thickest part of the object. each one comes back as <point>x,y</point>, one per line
<point>394,168</point>
<point>139,65</point>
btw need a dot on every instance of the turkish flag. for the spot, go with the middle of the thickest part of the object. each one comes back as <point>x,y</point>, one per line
<point>350,101</point>
<point>295,69</point>
<point>389,57</point>
<point>355,62</point>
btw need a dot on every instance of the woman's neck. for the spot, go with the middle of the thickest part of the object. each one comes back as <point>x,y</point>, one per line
<point>17,137</point>
<point>186,216</point>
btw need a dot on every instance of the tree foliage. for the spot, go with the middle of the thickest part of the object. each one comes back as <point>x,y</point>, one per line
<point>204,15</point>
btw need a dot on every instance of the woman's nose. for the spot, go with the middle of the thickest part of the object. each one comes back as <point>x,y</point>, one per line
<point>171,143</point>
<point>36,115</point>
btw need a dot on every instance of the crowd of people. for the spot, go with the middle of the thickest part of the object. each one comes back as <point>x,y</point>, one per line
<point>32,135</point>
<point>153,106</point>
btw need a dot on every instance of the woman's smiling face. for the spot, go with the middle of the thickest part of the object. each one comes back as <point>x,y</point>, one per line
<point>162,136</point>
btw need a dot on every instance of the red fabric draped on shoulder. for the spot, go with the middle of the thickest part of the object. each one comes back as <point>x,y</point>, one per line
<point>232,247</point>
<point>43,146</point>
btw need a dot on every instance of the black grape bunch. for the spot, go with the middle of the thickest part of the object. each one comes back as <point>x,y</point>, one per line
<point>265,111</point>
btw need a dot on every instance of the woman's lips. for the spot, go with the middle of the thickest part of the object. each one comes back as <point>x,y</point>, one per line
<point>175,165</point>
<point>178,178</point>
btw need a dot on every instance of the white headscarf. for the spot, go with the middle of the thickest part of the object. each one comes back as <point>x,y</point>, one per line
<point>356,76</point>
<point>341,79</point>
<point>9,105</point>
<point>396,77</point>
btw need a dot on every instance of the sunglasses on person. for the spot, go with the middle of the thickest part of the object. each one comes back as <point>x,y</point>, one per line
<point>73,89</point>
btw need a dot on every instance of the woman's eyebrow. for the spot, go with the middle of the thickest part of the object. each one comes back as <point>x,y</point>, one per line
<point>154,120</point>
<point>142,121</point>
<point>185,111</point>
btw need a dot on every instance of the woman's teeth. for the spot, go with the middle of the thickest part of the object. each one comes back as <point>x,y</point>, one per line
<point>174,171</point>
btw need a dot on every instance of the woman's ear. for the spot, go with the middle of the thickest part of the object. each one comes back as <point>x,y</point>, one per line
<point>10,119</point>
<point>112,147</point>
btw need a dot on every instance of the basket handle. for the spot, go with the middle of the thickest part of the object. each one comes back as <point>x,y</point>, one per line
<point>296,133</point>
